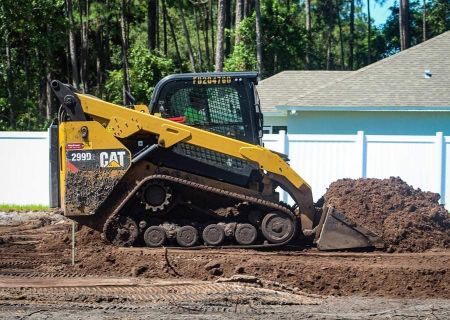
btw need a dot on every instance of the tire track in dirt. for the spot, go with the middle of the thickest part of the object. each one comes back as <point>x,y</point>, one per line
<point>132,291</point>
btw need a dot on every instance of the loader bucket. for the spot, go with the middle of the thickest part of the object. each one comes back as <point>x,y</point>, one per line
<point>336,232</point>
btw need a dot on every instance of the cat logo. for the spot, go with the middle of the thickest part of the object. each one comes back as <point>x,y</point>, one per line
<point>113,159</point>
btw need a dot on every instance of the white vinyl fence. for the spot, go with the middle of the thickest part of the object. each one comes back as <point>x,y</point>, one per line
<point>24,168</point>
<point>421,161</point>
<point>320,159</point>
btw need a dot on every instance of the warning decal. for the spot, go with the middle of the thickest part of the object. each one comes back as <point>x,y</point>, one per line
<point>74,146</point>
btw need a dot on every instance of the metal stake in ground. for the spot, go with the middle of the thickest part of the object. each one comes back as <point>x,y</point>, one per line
<point>73,242</point>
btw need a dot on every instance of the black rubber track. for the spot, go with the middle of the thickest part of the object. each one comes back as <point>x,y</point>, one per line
<point>225,193</point>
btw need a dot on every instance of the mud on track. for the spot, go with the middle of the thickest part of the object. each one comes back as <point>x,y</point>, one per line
<point>36,275</point>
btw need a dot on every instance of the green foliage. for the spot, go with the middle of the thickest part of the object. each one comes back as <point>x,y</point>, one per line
<point>282,35</point>
<point>4,121</point>
<point>36,34</point>
<point>113,86</point>
<point>391,27</point>
<point>146,69</point>
<point>241,59</point>
<point>438,17</point>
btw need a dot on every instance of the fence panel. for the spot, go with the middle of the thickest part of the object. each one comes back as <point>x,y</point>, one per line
<point>325,158</point>
<point>445,187</point>
<point>321,159</point>
<point>413,158</point>
<point>24,172</point>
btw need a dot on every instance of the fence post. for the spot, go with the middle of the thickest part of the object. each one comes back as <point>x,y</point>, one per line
<point>362,152</point>
<point>283,141</point>
<point>440,165</point>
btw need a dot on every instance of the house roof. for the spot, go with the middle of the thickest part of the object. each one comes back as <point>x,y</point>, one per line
<point>280,88</point>
<point>397,82</point>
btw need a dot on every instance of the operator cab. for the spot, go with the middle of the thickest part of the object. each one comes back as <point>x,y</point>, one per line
<point>223,103</point>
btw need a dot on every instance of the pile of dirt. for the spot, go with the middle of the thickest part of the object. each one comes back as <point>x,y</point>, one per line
<point>406,219</point>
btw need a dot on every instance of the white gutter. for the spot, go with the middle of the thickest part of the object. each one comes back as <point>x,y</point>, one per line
<point>378,108</point>
<point>278,113</point>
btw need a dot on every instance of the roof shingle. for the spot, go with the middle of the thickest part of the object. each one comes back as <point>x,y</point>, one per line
<point>395,81</point>
<point>282,87</point>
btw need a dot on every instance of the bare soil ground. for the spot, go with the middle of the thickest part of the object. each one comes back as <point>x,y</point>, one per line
<point>37,280</point>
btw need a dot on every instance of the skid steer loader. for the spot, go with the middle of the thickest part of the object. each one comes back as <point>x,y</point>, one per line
<point>187,170</point>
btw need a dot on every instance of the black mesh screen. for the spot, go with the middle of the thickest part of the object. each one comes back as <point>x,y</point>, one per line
<point>216,109</point>
<point>216,159</point>
<point>212,108</point>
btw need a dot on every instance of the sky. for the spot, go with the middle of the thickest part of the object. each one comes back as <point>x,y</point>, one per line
<point>379,13</point>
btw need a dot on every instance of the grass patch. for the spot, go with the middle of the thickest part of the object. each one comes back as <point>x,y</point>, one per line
<point>23,207</point>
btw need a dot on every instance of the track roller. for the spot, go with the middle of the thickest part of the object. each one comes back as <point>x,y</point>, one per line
<point>187,236</point>
<point>213,235</point>
<point>277,227</point>
<point>245,234</point>
<point>155,236</point>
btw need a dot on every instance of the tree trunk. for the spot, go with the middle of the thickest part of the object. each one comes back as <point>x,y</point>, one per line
<point>404,24</point>
<point>152,6</point>
<point>42,95</point>
<point>26,65</point>
<point>220,35</point>
<point>99,58</point>
<point>352,34</point>
<point>228,27</point>
<point>48,75</point>
<point>206,26</point>
<point>173,34</point>
<point>84,13</point>
<point>258,38</point>
<point>247,7</point>
<point>341,41</point>
<point>275,63</point>
<point>188,40</point>
<point>48,114</point>
<point>124,39</point>
<point>107,51</point>
<point>26,69</point>
<point>157,26</point>
<point>67,62</point>
<point>369,35</point>
<point>424,21</point>
<point>197,31</point>
<point>239,12</point>
<point>213,41</point>
<point>165,29</point>
<point>9,82</point>
<point>308,31</point>
<point>72,46</point>
<point>329,47</point>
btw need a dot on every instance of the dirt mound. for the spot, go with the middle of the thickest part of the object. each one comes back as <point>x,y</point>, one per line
<point>407,219</point>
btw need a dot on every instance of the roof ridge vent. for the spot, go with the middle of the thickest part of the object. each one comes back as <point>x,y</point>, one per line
<point>427,74</point>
